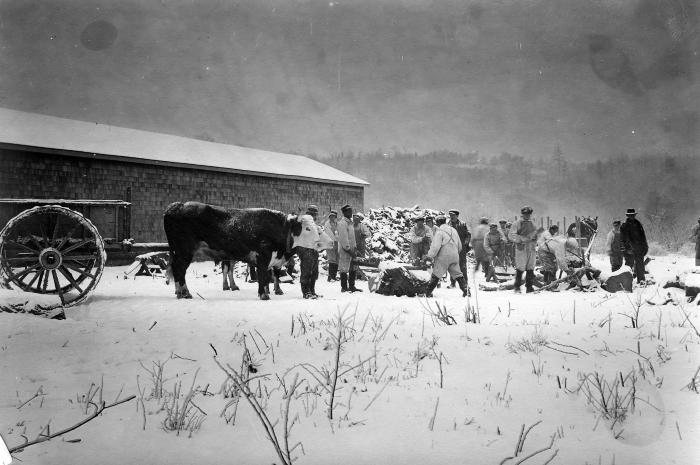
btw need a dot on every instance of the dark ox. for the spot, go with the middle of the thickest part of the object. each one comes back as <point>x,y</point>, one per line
<point>260,237</point>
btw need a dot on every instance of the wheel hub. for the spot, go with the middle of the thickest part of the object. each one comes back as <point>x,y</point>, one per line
<point>50,258</point>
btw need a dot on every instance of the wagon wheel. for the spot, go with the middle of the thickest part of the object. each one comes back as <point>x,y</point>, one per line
<point>52,250</point>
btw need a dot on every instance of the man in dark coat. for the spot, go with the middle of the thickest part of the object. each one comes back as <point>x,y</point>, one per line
<point>695,236</point>
<point>465,236</point>
<point>634,243</point>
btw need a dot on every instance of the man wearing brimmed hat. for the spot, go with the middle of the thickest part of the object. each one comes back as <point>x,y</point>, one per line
<point>420,236</point>
<point>464,236</point>
<point>524,236</point>
<point>347,250</point>
<point>444,252</point>
<point>634,244</point>
<point>695,236</point>
<point>494,246</point>
<point>613,246</point>
<point>331,228</point>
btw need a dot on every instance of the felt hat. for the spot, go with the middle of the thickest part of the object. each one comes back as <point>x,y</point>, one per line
<point>631,211</point>
<point>312,208</point>
<point>333,213</point>
<point>345,207</point>
<point>526,209</point>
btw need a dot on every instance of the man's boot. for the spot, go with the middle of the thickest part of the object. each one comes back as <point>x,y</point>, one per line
<point>491,274</point>
<point>343,282</point>
<point>351,282</point>
<point>431,285</point>
<point>518,281</point>
<point>529,278</point>
<point>464,286</point>
<point>304,290</point>
<point>313,290</point>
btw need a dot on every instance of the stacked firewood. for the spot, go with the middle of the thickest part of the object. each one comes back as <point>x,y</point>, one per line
<point>390,228</point>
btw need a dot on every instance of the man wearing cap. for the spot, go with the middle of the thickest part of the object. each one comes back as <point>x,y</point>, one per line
<point>613,246</point>
<point>477,243</point>
<point>695,235</point>
<point>524,236</point>
<point>347,250</point>
<point>494,244</point>
<point>307,252</point>
<point>634,244</point>
<point>420,237</point>
<point>444,252</point>
<point>464,237</point>
<point>331,228</point>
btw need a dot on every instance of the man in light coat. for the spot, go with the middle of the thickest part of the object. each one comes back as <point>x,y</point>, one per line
<point>613,246</point>
<point>347,250</point>
<point>307,246</point>
<point>420,237</point>
<point>331,228</point>
<point>494,246</point>
<point>524,236</point>
<point>477,242</point>
<point>464,236</point>
<point>445,254</point>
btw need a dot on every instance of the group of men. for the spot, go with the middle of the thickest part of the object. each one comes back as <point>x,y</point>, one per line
<point>444,244</point>
<point>347,243</point>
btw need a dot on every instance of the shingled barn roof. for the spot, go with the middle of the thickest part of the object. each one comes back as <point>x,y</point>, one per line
<point>30,131</point>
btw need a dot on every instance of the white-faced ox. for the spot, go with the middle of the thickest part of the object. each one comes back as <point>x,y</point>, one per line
<point>258,236</point>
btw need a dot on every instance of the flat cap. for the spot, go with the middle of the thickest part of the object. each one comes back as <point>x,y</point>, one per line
<point>526,209</point>
<point>333,212</point>
<point>346,207</point>
<point>312,208</point>
<point>453,212</point>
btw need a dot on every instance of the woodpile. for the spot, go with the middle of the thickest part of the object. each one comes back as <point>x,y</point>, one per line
<point>390,227</point>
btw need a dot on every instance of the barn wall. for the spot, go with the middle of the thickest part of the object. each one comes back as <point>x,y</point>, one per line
<point>151,188</point>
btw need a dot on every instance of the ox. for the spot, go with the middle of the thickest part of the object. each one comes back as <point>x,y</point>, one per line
<point>258,236</point>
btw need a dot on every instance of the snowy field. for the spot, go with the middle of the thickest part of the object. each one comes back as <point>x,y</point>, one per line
<point>410,388</point>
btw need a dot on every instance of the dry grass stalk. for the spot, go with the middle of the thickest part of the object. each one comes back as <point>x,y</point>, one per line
<point>521,443</point>
<point>46,434</point>
<point>183,416</point>
<point>439,314</point>
<point>281,446</point>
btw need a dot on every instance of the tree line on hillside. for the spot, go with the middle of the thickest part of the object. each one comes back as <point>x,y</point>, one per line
<point>663,188</point>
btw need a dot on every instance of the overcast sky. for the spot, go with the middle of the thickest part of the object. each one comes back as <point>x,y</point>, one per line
<point>596,77</point>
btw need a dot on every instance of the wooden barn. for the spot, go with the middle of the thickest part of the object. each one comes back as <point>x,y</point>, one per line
<point>128,177</point>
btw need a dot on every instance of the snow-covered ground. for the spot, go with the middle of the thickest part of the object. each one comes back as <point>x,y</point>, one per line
<point>521,365</point>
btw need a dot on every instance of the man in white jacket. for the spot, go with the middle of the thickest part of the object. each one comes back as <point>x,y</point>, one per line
<point>444,253</point>
<point>307,246</point>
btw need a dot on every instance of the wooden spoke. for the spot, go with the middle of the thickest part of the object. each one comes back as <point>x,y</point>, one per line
<point>58,286</point>
<point>70,278</point>
<point>66,237</point>
<point>18,276</point>
<point>75,268</point>
<point>22,246</point>
<point>22,260</point>
<point>36,276</point>
<point>80,257</point>
<point>79,244</point>
<point>45,284</point>
<point>55,229</point>
<point>44,237</point>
